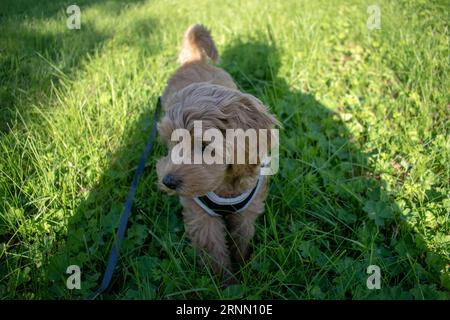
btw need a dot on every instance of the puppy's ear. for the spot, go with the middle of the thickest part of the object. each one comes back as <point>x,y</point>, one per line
<point>165,129</point>
<point>247,112</point>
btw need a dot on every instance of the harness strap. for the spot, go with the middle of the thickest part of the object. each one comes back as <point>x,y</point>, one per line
<point>217,206</point>
<point>114,254</point>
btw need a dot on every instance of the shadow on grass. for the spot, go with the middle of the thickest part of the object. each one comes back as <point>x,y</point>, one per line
<point>31,65</point>
<point>327,195</point>
<point>46,9</point>
<point>91,230</point>
<point>324,204</point>
<point>33,60</point>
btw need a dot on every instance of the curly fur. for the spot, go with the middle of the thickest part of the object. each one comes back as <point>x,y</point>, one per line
<point>200,91</point>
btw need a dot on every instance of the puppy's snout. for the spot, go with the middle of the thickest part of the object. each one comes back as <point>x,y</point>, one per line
<point>171,182</point>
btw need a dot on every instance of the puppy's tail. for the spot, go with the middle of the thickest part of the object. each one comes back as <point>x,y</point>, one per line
<point>198,45</point>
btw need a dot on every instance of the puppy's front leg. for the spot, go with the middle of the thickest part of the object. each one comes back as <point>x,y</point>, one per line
<point>242,230</point>
<point>208,234</point>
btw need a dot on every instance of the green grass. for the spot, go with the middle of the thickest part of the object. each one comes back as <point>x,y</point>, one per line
<point>365,152</point>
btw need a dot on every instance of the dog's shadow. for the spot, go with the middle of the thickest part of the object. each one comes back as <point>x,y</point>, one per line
<point>325,204</point>
<point>328,217</point>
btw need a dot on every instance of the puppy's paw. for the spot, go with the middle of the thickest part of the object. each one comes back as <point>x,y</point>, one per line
<point>228,280</point>
<point>241,257</point>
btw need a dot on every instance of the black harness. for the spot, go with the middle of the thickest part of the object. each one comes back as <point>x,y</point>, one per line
<point>217,206</point>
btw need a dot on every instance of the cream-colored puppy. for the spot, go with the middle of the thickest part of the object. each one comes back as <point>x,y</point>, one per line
<point>200,91</point>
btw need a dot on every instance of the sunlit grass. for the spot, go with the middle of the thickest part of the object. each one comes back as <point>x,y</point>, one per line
<point>364,174</point>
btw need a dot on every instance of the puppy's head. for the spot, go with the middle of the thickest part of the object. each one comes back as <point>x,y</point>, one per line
<point>207,163</point>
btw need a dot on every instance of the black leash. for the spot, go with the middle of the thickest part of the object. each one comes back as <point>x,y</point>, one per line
<point>114,254</point>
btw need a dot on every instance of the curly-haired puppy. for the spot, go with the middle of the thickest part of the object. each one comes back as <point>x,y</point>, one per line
<point>200,91</point>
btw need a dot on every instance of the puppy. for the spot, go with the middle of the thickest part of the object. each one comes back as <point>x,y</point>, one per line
<point>201,91</point>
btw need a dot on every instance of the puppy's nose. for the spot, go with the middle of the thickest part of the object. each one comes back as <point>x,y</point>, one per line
<point>171,181</point>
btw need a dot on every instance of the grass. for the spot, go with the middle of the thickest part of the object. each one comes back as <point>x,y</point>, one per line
<point>364,171</point>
